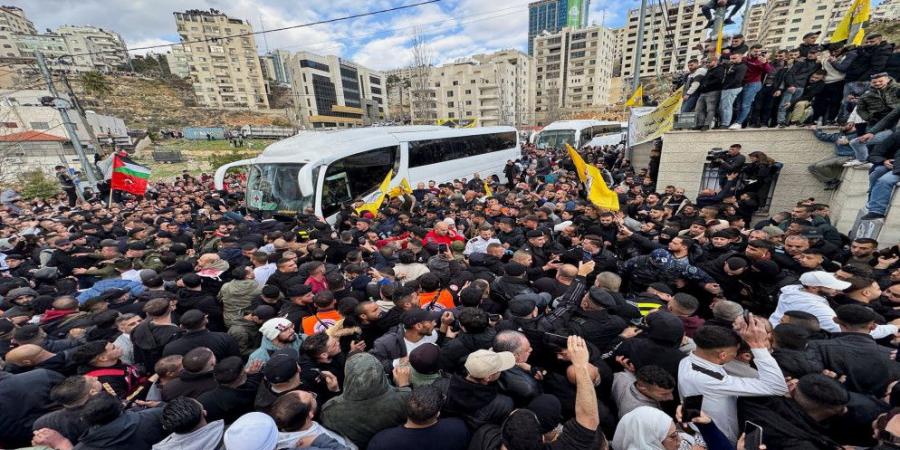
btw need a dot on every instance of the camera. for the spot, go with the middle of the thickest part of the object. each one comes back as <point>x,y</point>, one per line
<point>714,156</point>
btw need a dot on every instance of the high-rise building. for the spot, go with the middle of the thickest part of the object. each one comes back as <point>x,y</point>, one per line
<point>887,10</point>
<point>784,22</point>
<point>670,38</point>
<point>13,22</point>
<point>552,15</point>
<point>94,47</point>
<point>177,59</point>
<point>489,89</point>
<point>224,70</point>
<point>335,93</point>
<point>274,65</point>
<point>573,69</point>
<point>751,27</point>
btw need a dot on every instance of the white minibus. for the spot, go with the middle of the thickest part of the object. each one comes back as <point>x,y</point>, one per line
<point>576,133</point>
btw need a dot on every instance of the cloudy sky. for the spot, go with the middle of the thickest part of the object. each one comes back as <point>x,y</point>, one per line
<point>453,28</point>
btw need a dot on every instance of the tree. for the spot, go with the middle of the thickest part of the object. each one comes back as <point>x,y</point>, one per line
<point>217,160</point>
<point>95,84</point>
<point>421,71</point>
<point>36,184</point>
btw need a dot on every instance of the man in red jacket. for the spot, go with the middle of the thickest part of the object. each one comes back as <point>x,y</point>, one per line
<point>442,235</point>
<point>757,67</point>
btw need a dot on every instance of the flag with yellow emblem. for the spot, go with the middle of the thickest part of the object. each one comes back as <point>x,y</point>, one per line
<point>598,192</point>
<point>637,98</point>
<point>374,200</point>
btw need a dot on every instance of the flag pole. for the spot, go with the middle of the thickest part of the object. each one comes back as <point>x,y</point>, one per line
<point>109,205</point>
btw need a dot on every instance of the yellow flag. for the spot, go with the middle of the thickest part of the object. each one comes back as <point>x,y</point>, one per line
<point>637,98</point>
<point>400,189</point>
<point>374,200</point>
<point>852,22</point>
<point>598,192</point>
<point>487,189</point>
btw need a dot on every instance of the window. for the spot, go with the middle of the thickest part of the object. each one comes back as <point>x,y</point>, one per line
<point>449,104</point>
<point>423,153</point>
<point>313,65</point>
<point>40,125</point>
<point>354,176</point>
<point>468,91</point>
<point>449,93</point>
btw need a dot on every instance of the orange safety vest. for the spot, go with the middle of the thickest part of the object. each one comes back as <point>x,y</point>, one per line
<point>319,322</point>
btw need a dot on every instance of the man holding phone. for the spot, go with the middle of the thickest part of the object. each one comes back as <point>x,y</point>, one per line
<point>702,372</point>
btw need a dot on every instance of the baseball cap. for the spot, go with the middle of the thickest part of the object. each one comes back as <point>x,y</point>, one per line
<point>533,234</point>
<point>521,306</point>
<point>660,257</point>
<point>484,363</point>
<point>811,33</point>
<point>824,279</point>
<point>425,359</point>
<point>282,365</point>
<point>878,75</point>
<point>298,290</point>
<point>27,333</point>
<point>514,269</point>
<point>855,314</point>
<point>192,319</point>
<point>252,431</point>
<point>662,287</point>
<point>273,327</point>
<point>264,312</point>
<point>601,297</point>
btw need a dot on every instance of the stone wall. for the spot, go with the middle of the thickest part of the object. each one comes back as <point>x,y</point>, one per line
<point>684,154</point>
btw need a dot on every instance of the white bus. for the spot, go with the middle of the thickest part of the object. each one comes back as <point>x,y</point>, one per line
<point>576,133</point>
<point>325,170</point>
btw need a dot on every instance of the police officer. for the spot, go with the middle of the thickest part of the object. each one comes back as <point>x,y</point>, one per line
<point>478,244</point>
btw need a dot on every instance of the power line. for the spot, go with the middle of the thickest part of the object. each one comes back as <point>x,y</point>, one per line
<point>255,33</point>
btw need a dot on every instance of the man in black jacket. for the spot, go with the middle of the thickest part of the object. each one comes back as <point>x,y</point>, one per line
<point>854,354</point>
<point>735,69</point>
<point>795,81</point>
<point>710,90</point>
<point>197,335</point>
<point>236,392</point>
<point>796,422</point>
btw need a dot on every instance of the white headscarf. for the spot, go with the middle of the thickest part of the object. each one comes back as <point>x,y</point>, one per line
<point>643,428</point>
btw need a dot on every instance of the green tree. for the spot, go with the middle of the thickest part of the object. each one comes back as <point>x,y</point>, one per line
<point>36,184</point>
<point>219,159</point>
<point>95,84</point>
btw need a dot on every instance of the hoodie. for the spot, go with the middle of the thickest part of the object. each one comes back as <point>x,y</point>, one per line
<point>266,348</point>
<point>130,431</point>
<point>209,437</point>
<point>149,340</point>
<point>368,404</point>
<point>236,297</point>
<point>288,439</point>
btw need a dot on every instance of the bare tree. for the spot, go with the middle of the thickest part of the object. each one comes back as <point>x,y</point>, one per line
<point>420,71</point>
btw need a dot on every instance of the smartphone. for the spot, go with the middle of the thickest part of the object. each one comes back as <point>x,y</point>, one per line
<point>556,340</point>
<point>442,248</point>
<point>690,408</point>
<point>747,316</point>
<point>753,434</point>
<point>494,317</point>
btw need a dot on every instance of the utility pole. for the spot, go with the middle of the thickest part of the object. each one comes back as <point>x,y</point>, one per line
<point>81,115</point>
<point>636,80</point>
<point>62,106</point>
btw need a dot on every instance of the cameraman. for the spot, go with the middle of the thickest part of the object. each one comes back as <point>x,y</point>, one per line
<point>730,162</point>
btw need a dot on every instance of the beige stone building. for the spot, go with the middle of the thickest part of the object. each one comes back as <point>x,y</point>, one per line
<point>13,21</point>
<point>887,10</point>
<point>784,22</point>
<point>399,94</point>
<point>94,47</point>
<point>670,39</point>
<point>331,92</point>
<point>573,72</point>
<point>751,28</point>
<point>489,89</point>
<point>224,70</point>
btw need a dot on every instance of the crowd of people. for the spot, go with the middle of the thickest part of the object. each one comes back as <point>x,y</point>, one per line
<point>449,319</point>
<point>750,86</point>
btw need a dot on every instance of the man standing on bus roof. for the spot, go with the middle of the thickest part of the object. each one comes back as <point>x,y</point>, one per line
<point>476,183</point>
<point>442,235</point>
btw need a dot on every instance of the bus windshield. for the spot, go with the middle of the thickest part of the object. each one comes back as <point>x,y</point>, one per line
<point>556,138</point>
<point>274,187</point>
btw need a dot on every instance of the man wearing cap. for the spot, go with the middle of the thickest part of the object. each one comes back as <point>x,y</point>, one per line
<point>854,354</point>
<point>246,330</point>
<point>474,397</point>
<point>277,333</point>
<point>196,334</point>
<point>282,374</point>
<point>811,296</point>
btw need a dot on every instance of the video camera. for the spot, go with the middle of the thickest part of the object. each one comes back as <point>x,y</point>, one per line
<point>714,157</point>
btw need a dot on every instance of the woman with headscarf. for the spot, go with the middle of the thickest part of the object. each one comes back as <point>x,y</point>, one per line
<point>646,428</point>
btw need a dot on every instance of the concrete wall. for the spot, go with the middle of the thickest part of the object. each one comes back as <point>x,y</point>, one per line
<point>684,154</point>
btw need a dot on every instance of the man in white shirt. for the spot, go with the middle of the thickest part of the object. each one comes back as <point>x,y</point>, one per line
<point>479,244</point>
<point>262,268</point>
<point>811,296</point>
<point>702,372</point>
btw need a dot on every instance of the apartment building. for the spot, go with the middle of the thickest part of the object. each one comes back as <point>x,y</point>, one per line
<point>13,21</point>
<point>274,66</point>
<point>886,10</point>
<point>177,59</point>
<point>671,35</point>
<point>573,72</point>
<point>222,58</point>
<point>552,15</point>
<point>784,22</point>
<point>398,83</point>
<point>332,92</point>
<point>488,89</point>
<point>751,28</point>
<point>94,47</point>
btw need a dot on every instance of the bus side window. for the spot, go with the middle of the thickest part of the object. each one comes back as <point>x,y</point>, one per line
<point>348,179</point>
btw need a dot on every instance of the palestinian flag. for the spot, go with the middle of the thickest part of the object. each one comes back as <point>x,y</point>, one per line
<point>129,176</point>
